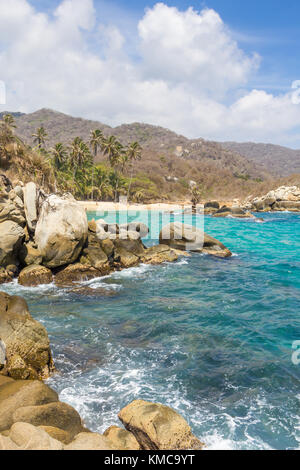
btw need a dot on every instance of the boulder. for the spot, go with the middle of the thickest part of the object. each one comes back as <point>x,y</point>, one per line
<point>236,212</point>
<point>11,239</point>
<point>108,247</point>
<point>94,256</point>
<point>77,273</point>
<point>12,210</point>
<point>29,254</point>
<point>90,441</point>
<point>22,393</point>
<point>293,206</point>
<point>35,275</point>
<point>188,238</point>
<point>57,434</point>
<point>212,205</point>
<point>61,231</point>
<point>133,246</point>
<point>7,444</point>
<point>158,427</point>
<point>28,354</point>
<point>28,437</point>
<point>4,276</point>
<point>159,254</point>
<point>30,194</point>
<point>55,414</point>
<point>121,439</point>
<point>124,258</point>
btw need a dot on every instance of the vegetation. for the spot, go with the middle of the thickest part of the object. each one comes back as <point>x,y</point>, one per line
<point>73,168</point>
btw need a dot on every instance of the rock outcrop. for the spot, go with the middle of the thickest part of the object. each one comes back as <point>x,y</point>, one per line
<point>35,275</point>
<point>281,199</point>
<point>189,238</point>
<point>158,427</point>
<point>26,342</point>
<point>31,205</point>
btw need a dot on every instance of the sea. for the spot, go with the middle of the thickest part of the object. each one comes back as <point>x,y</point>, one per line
<point>218,340</point>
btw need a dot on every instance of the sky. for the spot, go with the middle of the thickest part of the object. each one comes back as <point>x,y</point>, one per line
<point>217,69</point>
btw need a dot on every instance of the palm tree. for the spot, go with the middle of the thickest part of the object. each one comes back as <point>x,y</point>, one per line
<point>196,195</point>
<point>60,155</point>
<point>40,137</point>
<point>96,141</point>
<point>114,151</point>
<point>9,120</point>
<point>79,153</point>
<point>134,153</point>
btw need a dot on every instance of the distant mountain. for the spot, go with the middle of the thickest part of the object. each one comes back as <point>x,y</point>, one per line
<point>278,160</point>
<point>16,115</point>
<point>221,171</point>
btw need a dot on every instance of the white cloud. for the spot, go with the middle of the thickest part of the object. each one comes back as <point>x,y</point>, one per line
<point>189,75</point>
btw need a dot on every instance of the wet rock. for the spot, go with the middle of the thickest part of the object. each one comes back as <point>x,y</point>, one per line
<point>4,276</point>
<point>28,354</point>
<point>61,231</point>
<point>94,256</point>
<point>158,427</point>
<point>124,258</point>
<point>79,272</point>
<point>133,246</point>
<point>35,275</point>
<point>159,254</point>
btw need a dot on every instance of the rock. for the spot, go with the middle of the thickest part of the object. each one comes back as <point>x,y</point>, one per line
<point>28,437</point>
<point>22,393</point>
<point>12,211</point>
<point>57,434</point>
<point>61,231</point>
<point>139,227</point>
<point>11,239</point>
<point>90,441</point>
<point>124,258</point>
<point>35,275</point>
<point>28,354</point>
<point>279,199</point>
<point>236,212</point>
<point>212,205</point>
<point>133,246</point>
<point>19,192</point>
<point>159,254</point>
<point>94,256</point>
<point>77,273</point>
<point>158,427</point>
<point>188,238</point>
<point>7,444</point>
<point>12,270</point>
<point>30,205</point>
<point>121,439</point>
<point>2,356</point>
<point>108,247</point>
<point>293,206</point>
<point>29,254</point>
<point>4,276</point>
<point>92,226</point>
<point>56,414</point>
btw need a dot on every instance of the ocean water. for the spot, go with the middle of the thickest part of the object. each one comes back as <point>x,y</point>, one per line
<point>211,338</point>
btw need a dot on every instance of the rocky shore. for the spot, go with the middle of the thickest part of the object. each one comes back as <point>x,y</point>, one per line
<point>33,418</point>
<point>47,238</point>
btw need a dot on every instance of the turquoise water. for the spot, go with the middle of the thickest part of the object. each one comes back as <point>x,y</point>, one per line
<point>211,338</point>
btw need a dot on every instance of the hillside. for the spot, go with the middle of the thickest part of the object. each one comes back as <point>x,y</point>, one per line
<point>169,161</point>
<point>278,160</point>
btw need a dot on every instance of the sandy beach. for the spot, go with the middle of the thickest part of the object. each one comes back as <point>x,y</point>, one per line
<point>92,206</point>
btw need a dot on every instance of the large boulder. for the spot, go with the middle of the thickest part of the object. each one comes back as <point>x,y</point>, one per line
<point>158,427</point>
<point>61,231</point>
<point>35,275</point>
<point>30,194</point>
<point>189,238</point>
<point>27,347</point>
<point>78,272</point>
<point>90,441</point>
<point>12,235</point>
<point>28,437</point>
<point>159,254</point>
<point>55,414</point>
<point>22,393</point>
<point>29,254</point>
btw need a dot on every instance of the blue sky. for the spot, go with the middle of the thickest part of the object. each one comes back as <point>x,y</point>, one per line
<point>222,71</point>
<point>269,27</point>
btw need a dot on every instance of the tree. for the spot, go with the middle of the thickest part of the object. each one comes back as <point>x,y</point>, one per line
<point>60,155</point>
<point>196,196</point>
<point>40,137</point>
<point>114,151</point>
<point>79,154</point>
<point>134,153</point>
<point>96,142</point>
